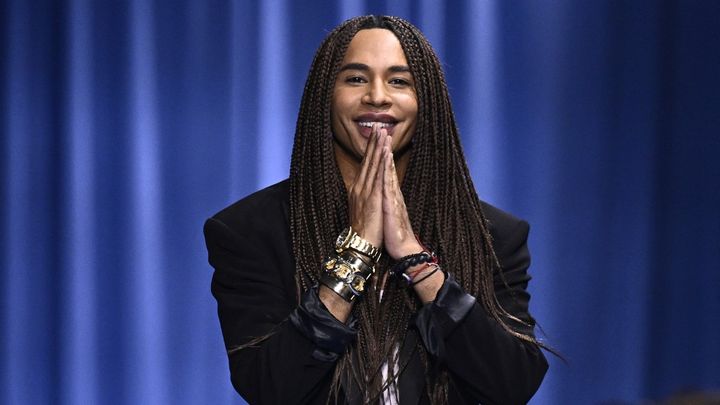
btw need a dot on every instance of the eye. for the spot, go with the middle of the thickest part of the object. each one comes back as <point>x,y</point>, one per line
<point>355,80</point>
<point>400,82</point>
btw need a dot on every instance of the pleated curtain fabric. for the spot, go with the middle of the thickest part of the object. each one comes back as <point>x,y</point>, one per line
<point>126,124</point>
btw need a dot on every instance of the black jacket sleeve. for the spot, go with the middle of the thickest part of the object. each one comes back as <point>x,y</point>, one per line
<point>487,364</point>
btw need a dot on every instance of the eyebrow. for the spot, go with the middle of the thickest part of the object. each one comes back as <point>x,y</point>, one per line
<point>364,67</point>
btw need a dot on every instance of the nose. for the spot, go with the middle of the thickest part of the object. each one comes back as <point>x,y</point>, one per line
<point>377,95</point>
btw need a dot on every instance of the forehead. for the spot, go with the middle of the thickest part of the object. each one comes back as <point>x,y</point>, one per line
<point>375,47</point>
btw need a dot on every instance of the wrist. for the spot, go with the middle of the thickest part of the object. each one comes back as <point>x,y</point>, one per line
<point>428,283</point>
<point>416,272</point>
<point>408,249</point>
<point>338,307</point>
<point>351,239</point>
<point>367,236</point>
<point>349,268</point>
<point>412,265</point>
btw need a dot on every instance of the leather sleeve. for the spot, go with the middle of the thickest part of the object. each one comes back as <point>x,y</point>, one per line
<point>330,336</point>
<point>250,284</point>
<point>487,364</point>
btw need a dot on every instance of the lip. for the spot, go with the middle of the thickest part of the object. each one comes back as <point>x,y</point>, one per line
<point>374,117</point>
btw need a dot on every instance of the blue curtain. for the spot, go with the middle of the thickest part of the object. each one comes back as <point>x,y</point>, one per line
<point>125,124</point>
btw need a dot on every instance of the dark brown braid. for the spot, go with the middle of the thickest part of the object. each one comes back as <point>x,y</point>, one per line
<point>442,204</point>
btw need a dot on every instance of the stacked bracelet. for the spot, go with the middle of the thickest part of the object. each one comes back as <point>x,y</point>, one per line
<point>427,276</point>
<point>426,256</point>
<point>413,260</point>
<point>348,270</point>
<point>350,240</point>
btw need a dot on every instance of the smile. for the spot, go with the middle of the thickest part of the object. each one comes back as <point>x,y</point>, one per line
<point>365,127</point>
<point>369,124</point>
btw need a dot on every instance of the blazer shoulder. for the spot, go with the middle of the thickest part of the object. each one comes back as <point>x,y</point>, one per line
<point>498,217</point>
<point>268,206</point>
<point>504,227</point>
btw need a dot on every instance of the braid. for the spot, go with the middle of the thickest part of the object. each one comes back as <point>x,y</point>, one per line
<point>442,204</point>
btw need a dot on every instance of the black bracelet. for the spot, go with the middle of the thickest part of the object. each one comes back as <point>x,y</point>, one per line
<point>427,275</point>
<point>413,260</point>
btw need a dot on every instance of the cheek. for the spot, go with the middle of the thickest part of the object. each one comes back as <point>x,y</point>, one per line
<point>409,105</point>
<point>342,103</point>
<point>336,115</point>
<point>411,126</point>
<point>411,111</point>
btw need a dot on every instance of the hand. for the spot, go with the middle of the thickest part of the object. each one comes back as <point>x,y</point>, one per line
<point>365,195</point>
<point>397,231</point>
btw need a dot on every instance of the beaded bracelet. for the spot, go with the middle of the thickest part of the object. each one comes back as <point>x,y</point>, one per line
<point>413,260</point>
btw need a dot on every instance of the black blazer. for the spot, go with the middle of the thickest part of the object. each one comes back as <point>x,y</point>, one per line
<point>249,245</point>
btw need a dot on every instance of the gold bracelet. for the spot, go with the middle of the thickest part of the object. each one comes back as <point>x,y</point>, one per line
<point>349,239</point>
<point>347,277</point>
<point>354,260</point>
<point>339,287</point>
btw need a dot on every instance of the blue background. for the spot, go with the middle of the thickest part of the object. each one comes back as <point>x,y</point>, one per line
<point>125,124</point>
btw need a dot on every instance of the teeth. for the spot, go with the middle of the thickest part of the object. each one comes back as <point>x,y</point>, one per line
<point>370,124</point>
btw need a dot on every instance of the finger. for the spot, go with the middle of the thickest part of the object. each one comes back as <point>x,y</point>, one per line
<point>388,181</point>
<point>396,200</point>
<point>379,153</point>
<point>371,145</point>
<point>383,148</point>
<point>376,162</point>
<point>391,187</point>
<point>396,183</point>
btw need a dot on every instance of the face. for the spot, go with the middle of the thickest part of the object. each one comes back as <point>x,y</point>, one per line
<point>374,86</point>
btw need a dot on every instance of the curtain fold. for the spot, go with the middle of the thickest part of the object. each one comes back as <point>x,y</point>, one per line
<point>125,124</point>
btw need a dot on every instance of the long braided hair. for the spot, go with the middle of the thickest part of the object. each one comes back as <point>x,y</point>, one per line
<point>442,204</point>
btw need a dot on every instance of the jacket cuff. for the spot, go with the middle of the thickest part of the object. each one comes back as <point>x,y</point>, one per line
<point>316,323</point>
<point>436,320</point>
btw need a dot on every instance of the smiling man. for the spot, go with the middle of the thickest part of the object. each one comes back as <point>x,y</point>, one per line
<point>375,274</point>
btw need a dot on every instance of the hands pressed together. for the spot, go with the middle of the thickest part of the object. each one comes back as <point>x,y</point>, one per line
<point>379,215</point>
<point>377,208</point>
